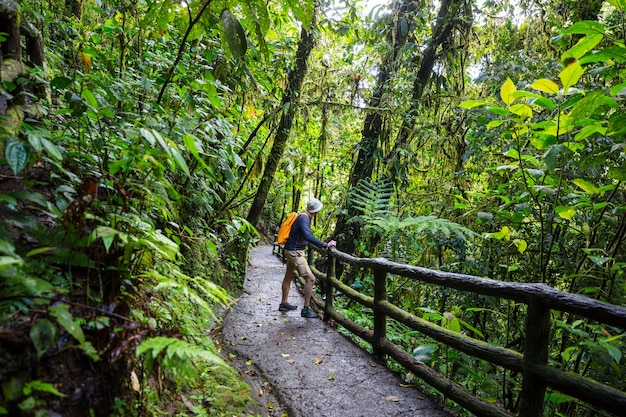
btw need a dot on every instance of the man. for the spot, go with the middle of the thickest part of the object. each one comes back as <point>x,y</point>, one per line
<point>299,238</point>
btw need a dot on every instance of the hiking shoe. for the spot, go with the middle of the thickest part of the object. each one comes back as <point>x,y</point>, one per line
<point>286,307</point>
<point>308,313</point>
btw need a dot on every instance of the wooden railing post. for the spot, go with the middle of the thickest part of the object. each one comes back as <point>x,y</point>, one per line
<point>535,353</point>
<point>380,318</point>
<point>330,274</point>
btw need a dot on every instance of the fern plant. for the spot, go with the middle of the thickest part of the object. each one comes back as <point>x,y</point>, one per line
<point>373,200</point>
<point>402,235</point>
<point>176,356</point>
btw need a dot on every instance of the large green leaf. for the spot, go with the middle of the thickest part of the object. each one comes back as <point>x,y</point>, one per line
<point>583,46</point>
<point>17,155</point>
<point>61,313</point>
<point>545,85</point>
<point>565,212</point>
<point>586,186</point>
<point>506,92</point>
<point>570,76</point>
<point>235,35</point>
<point>585,27</point>
<point>43,334</point>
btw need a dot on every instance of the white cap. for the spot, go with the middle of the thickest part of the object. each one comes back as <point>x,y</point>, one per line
<point>314,205</point>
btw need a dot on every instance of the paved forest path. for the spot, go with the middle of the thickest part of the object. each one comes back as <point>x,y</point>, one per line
<point>311,369</point>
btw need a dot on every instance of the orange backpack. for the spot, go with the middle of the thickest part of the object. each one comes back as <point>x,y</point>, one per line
<point>285,228</point>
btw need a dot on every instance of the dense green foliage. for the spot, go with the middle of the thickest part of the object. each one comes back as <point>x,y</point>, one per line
<point>494,146</point>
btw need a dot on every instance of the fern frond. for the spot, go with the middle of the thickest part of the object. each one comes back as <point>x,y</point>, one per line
<point>372,200</point>
<point>175,355</point>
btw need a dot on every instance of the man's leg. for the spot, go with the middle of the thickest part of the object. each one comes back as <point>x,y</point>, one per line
<point>308,289</point>
<point>289,275</point>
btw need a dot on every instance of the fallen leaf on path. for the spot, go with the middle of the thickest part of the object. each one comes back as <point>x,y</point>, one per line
<point>249,362</point>
<point>291,361</point>
<point>331,377</point>
<point>393,398</point>
<point>284,355</point>
<point>318,361</point>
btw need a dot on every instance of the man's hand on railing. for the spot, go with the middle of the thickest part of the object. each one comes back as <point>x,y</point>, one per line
<point>332,244</point>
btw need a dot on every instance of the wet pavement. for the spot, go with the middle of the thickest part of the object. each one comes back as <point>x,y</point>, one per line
<point>301,367</point>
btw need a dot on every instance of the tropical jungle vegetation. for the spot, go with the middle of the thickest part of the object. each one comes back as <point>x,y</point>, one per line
<point>146,145</point>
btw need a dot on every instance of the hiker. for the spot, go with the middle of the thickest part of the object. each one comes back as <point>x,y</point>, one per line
<point>299,238</point>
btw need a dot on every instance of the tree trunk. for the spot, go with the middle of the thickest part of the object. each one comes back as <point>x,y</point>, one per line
<point>289,104</point>
<point>345,234</point>
<point>446,21</point>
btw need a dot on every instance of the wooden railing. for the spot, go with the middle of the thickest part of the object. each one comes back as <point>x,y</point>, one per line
<point>533,363</point>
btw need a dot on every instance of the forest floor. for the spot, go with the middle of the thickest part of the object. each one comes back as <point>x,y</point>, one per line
<point>303,367</point>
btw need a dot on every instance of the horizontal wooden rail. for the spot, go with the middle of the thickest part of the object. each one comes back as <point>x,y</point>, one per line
<point>540,299</point>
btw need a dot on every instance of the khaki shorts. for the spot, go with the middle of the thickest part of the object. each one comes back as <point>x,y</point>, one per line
<point>296,261</point>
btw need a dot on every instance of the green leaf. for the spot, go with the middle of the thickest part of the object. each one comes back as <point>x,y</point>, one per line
<point>565,212</point>
<point>498,110</point>
<point>42,387</point>
<point>43,334</point>
<point>559,398</point>
<point>40,250</point>
<point>235,35</point>
<point>423,353</point>
<point>506,92</point>
<point>613,351</point>
<point>470,104</point>
<point>178,157</point>
<point>588,105</point>
<point>570,76</point>
<point>61,313</point>
<point>53,150</point>
<point>544,102</point>
<point>586,186</point>
<point>60,82</point>
<point>512,153</point>
<point>522,110</point>
<point>17,155</point>
<point>90,98</point>
<point>542,142</point>
<point>620,4</point>
<point>545,85</point>
<point>450,322</point>
<point>587,131</point>
<point>619,89</point>
<point>585,27</point>
<point>9,262</point>
<point>494,123</point>
<point>303,11</point>
<point>583,46</point>
<point>520,244</point>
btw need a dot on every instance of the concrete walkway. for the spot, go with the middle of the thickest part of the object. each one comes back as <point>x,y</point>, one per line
<point>306,366</point>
